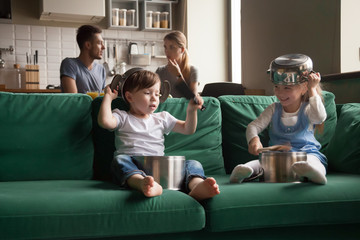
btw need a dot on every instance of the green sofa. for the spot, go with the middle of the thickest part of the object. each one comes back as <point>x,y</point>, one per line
<point>55,178</point>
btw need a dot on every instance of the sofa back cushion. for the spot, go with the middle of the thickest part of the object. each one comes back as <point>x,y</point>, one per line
<point>204,145</point>
<point>239,111</point>
<point>45,137</point>
<point>344,147</point>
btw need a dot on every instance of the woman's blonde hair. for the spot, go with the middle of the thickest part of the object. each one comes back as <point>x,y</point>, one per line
<point>180,39</point>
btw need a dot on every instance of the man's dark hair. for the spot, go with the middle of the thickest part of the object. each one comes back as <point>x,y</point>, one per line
<point>86,33</point>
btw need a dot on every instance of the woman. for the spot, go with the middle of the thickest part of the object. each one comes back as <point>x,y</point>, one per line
<point>178,66</point>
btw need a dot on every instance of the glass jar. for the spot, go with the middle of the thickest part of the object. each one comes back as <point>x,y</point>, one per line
<point>149,19</point>
<point>115,16</point>
<point>156,19</point>
<point>130,21</point>
<point>122,17</point>
<point>164,20</point>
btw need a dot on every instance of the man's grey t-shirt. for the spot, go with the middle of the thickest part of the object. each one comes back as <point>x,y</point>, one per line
<point>85,79</point>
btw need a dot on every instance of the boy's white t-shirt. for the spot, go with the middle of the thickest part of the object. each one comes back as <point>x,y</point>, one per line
<point>142,137</point>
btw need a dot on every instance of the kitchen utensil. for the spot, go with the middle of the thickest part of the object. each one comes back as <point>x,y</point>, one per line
<point>276,148</point>
<point>277,165</point>
<point>36,57</point>
<point>140,59</point>
<point>118,82</point>
<point>133,48</point>
<point>105,64</point>
<point>290,69</point>
<point>32,78</point>
<point>184,88</point>
<point>168,171</point>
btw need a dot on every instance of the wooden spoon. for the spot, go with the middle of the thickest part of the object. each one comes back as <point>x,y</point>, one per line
<point>285,148</point>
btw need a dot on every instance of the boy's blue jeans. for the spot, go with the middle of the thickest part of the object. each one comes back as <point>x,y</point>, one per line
<point>124,166</point>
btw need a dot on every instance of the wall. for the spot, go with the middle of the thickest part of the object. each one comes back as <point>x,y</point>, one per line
<point>208,39</point>
<point>277,27</point>
<point>57,40</point>
<point>350,36</point>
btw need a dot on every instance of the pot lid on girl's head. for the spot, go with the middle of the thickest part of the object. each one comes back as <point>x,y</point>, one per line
<point>291,59</point>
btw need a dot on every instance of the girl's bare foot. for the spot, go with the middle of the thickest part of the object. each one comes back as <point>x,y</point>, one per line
<point>150,188</point>
<point>204,189</point>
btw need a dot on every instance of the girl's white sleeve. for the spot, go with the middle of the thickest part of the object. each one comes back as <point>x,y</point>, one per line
<point>316,110</point>
<point>258,125</point>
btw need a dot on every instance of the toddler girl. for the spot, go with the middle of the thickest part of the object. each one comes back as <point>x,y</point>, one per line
<point>292,122</point>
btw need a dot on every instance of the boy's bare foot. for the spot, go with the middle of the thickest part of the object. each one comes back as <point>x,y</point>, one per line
<point>150,188</point>
<point>205,189</point>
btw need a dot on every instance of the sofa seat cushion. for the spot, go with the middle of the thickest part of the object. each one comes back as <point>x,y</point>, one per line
<point>45,137</point>
<point>87,208</point>
<point>264,205</point>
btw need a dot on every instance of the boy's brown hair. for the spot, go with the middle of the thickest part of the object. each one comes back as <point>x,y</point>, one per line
<point>140,80</point>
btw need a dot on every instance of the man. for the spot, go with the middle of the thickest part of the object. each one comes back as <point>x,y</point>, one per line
<point>82,74</point>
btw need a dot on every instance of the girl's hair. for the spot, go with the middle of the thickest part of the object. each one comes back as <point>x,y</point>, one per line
<point>140,80</point>
<point>319,128</point>
<point>180,39</point>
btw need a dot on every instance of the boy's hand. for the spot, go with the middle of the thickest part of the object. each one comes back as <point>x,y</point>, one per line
<point>193,106</point>
<point>112,94</point>
<point>254,146</point>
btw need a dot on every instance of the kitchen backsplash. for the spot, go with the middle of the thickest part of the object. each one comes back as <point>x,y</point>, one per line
<point>56,43</point>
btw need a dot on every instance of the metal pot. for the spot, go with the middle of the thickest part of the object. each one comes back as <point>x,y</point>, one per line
<point>277,165</point>
<point>290,69</point>
<point>168,171</point>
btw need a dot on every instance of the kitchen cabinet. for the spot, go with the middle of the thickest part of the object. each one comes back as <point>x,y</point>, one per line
<point>5,11</point>
<point>118,18</point>
<point>83,11</point>
<point>147,15</point>
<point>153,9</point>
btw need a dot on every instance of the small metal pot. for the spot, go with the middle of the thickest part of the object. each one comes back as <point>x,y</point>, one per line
<point>277,165</point>
<point>290,69</point>
<point>168,171</point>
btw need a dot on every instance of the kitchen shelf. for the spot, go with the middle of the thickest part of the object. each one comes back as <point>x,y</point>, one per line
<point>141,7</point>
<point>122,4</point>
<point>155,6</point>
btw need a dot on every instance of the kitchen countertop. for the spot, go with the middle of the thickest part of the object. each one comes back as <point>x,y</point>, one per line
<point>22,90</point>
<point>2,88</point>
